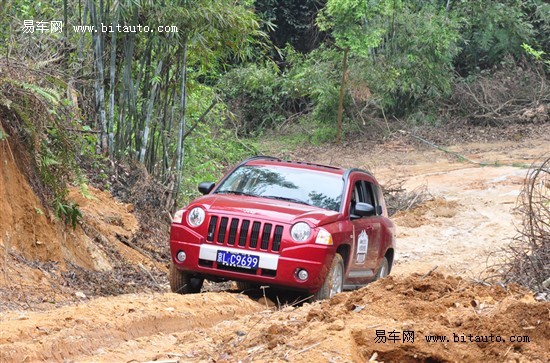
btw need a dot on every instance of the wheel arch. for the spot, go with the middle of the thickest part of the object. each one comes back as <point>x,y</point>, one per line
<point>390,253</point>
<point>344,251</point>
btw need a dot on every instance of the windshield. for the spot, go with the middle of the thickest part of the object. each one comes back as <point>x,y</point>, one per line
<point>303,186</point>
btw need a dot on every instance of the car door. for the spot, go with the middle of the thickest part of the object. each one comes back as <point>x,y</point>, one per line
<point>366,234</point>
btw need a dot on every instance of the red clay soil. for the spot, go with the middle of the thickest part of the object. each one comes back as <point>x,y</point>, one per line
<point>26,225</point>
<point>222,327</point>
<point>37,250</point>
<point>345,328</point>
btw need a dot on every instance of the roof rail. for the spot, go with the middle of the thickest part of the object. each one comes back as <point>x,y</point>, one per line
<point>315,164</point>
<point>259,157</point>
<point>266,157</point>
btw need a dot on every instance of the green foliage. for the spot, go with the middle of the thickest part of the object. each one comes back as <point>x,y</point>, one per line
<point>538,14</point>
<point>48,94</point>
<point>415,65</point>
<point>291,22</point>
<point>39,121</point>
<point>323,134</point>
<point>256,96</point>
<point>398,65</point>
<point>539,55</point>
<point>211,149</point>
<point>263,97</point>
<point>67,211</point>
<point>356,24</point>
<point>316,77</point>
<point>491,30</point>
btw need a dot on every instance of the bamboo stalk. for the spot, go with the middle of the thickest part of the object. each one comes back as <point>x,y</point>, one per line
<point>181,127</point>
<point>112,89</point>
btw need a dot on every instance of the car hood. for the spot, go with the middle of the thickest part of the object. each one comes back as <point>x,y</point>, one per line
<point>265,209</point>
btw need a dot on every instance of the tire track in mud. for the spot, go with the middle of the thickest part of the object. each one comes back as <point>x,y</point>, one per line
<point>87,330</point>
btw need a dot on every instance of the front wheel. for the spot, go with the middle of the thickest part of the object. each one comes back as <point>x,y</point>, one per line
<point>183,282</point>
<point>334,282</point>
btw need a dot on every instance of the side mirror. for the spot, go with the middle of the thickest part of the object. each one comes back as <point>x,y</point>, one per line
<point>206,187</point>
<point>364,209</point>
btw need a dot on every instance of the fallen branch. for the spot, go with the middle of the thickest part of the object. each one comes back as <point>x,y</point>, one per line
<point>201,118</point>
<point>429,272</point>
<point>459,156</point>
<point>7,143</point>
<point>305,349</point>
<point>149,273</point>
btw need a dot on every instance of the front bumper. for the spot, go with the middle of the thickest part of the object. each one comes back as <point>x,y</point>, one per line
<point>278,269</point>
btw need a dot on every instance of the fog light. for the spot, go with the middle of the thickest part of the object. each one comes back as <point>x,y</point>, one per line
<point>302,275</point>
<point>181,256</point>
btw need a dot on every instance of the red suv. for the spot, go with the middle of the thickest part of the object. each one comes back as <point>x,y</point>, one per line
<point>296,225</point>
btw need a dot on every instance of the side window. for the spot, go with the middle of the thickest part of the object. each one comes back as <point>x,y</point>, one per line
<point>359,192</point>
<point>365,192</point>
<point>356,196</point>
<point>372,196</point>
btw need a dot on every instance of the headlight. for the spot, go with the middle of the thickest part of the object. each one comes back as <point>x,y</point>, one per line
<point>300,232</point>
<point>195,217</point>
<point>178,216</point>
<point>323,238</point>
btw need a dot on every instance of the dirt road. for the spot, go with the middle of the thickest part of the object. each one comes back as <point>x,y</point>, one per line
<point>467,218</point>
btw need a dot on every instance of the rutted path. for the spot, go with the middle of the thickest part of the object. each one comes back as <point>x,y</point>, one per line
<point>87,331</point>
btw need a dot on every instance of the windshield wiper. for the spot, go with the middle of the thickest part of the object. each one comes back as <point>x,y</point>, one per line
<point>285,198</point>
<point>236,192</point>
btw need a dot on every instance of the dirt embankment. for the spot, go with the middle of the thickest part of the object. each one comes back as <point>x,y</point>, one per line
<point>345,329</point>
<point>44,261</point>
<point>27,227</point>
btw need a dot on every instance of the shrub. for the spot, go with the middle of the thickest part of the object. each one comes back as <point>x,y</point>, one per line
<point>254,94</point>
<point>37,118</point>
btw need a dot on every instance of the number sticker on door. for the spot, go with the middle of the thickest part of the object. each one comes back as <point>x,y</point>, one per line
<point>362,246</point>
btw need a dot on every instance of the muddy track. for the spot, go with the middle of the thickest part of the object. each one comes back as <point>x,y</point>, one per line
<point>85,331</point>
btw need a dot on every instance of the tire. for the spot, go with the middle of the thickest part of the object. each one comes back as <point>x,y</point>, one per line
<point>182,282</point>
<point>334,282</point>
<point>245,285</point>
<point>384,269</point>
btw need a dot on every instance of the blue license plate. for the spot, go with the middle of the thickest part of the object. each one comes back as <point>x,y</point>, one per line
<point>241,260</point>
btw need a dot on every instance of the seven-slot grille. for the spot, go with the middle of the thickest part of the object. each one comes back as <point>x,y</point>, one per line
<point>244,233</point>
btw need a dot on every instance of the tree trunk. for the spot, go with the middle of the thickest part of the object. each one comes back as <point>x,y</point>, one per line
<point>149,114</point>
<point>99,78</point>
<point>341,96</point>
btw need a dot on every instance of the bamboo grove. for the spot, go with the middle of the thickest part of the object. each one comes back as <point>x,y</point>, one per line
<point>133,88</point>
<point>141,80</point>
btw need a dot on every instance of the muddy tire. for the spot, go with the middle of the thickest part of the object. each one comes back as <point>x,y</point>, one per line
<point>183,282</point>
<point>334,282</point>
<point>384,269</point>
<point>245,285</point>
